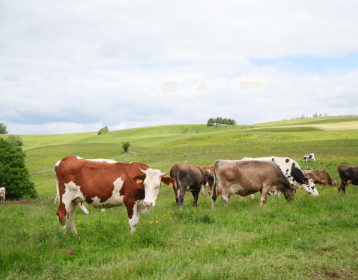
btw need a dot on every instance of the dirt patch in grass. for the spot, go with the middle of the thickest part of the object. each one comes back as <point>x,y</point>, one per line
<point>22,202</point>
<point>337,274</point>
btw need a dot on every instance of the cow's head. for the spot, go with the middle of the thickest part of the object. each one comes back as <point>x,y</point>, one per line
<point>288,192</point>
<point>310,187</point>
<point>151,180</point>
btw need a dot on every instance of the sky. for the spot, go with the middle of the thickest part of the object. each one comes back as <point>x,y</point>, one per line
<point>77,66</point>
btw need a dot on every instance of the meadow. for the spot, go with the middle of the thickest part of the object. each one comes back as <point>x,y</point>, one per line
<point>308,238</point>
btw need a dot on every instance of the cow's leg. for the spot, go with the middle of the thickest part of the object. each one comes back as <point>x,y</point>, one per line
<point>195,194</point>
<point>342,185</point>
<point>264,192</point>
<point>175,188</point>
<point>83,208</point>
<point>133,215</point>
<point>225,196</point>
<point>70,216</point>
<point>181,195</point>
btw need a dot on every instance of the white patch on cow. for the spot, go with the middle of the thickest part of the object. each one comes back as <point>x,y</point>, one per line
<point>102,160</point>
<point>133,222</point>
<point>115,200</point>
<point>72,193</point>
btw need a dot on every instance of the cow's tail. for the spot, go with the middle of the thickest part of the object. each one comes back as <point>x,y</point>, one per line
<point>176,178</point>
<point>57,198</point>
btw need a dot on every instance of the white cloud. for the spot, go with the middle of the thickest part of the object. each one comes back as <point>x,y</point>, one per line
<point>91,64</point>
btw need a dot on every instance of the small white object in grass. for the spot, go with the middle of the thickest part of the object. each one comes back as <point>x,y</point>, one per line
<point>103,210</point>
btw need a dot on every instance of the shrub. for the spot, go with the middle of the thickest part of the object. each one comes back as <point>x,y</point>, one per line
<point>103,130</point>
<point>15,139</point>
<point>126,146</point>
<point>14,176</point>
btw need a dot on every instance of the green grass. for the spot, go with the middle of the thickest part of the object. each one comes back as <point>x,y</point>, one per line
<point>308,121</point>
<point>308,238</point>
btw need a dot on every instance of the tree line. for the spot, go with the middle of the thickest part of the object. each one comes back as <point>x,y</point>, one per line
<point>220,120</point>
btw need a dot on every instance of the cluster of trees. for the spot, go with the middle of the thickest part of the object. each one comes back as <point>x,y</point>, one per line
<point>103,130</point>
<point>220,120</point>
<point>3,129</point>
<point>14,176</point>
<point>315,115</point>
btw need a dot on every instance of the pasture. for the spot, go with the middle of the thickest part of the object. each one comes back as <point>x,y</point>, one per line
<point>308,238</point>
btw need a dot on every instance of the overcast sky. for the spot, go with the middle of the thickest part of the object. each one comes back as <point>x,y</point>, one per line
<point>76,66</point>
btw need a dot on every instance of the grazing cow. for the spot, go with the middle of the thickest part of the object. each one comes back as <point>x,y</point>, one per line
<point>2,194</point>
<point>308,156</point>
<point>80,204</point>
<point>187,176</point>
<point>347,175</point>
<point>292,170</point>
<point>319,177</point>
<point>248,177</point>
<point>105,185</point>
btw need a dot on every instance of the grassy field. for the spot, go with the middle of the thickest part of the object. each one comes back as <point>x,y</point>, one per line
<point>308,238</point>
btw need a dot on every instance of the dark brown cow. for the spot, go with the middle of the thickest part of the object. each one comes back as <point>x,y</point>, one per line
<point>187,176</point>
<point>347,175</point>
<point>105,185</point>
<point>210,178</point>
<point>248,177</point>
<point>319,177</point>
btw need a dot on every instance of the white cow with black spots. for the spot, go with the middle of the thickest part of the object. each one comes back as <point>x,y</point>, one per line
<point>292,170</point>
<point>308,156</point>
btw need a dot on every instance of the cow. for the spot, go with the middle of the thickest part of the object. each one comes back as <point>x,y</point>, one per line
<point>308,156</point>
<point>248,177</point>
<point>292,170</point>
<point>319,177</point>
<point>187,176</point>
<point>2,194</point>
<point>80,204</point>
<point>105,185</point>
<point>210,179</point>
<point>347,175</point>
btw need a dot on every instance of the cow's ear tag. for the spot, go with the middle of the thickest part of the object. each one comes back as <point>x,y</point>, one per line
<point>170,185</point>
<point>138,181</point>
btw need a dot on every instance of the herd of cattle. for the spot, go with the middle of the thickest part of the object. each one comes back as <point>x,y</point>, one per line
<point>104,183</point>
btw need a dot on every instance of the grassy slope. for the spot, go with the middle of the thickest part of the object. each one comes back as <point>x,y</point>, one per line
<point>308,238</point>
<point>308,121</point>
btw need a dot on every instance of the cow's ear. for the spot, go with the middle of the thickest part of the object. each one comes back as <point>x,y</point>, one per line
<point>168,181</point>
<point>138,178</point>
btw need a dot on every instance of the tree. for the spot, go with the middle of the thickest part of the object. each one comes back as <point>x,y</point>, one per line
<point>125,146</point>
<point>14,176</point>
<point>3,129</point>
<point>15,139</point>
<point>303,116</point>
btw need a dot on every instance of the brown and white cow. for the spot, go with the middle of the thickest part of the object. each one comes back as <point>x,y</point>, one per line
<point>319,177</point>
<point>248,177</point>
<point>80,204</point>
<point>105,185</point>
<point>347,175</point>
<point>2,194</point>
<point>187,176</point>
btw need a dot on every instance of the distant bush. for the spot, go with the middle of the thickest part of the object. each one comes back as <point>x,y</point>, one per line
<point>16,139</point>
<point>3,129</point>
<point>103,130</point>
<point>126,146</point>
<point>219,121</point>
<point>14,176</point>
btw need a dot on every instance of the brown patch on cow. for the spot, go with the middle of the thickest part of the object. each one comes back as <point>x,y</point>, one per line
<point>23,202</point>
<point>318,177</point>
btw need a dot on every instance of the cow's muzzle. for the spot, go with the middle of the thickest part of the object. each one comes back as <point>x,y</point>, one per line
<point>149,204</point>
